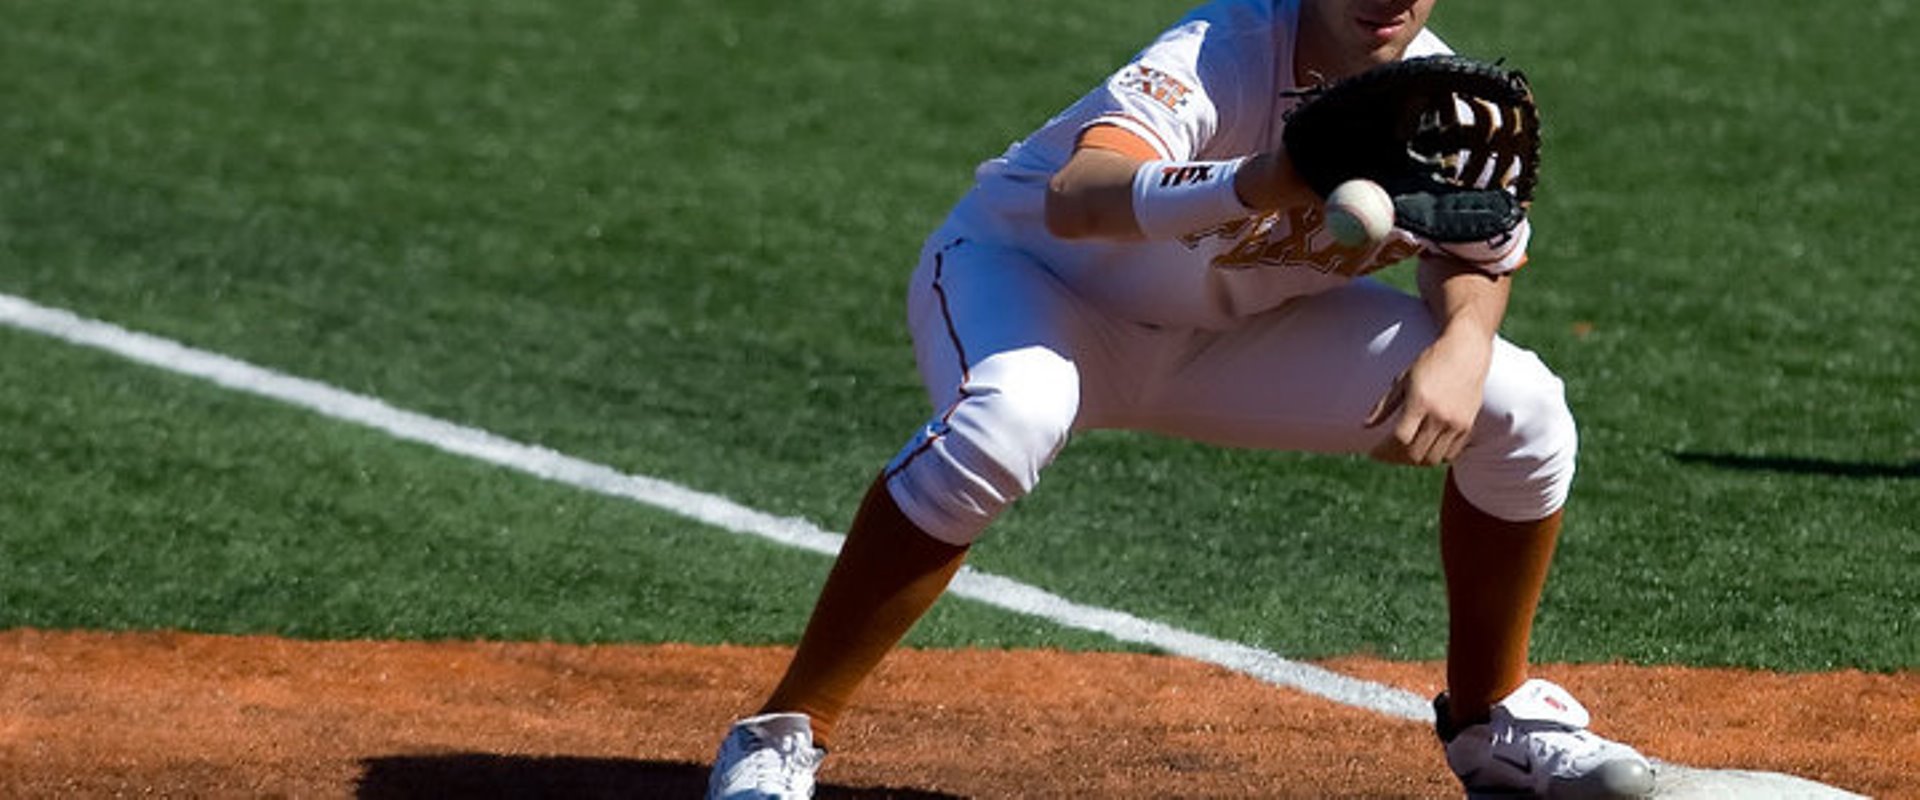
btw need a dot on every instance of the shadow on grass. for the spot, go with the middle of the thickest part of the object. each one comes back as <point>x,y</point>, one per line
<point>1801,466</point>
<point>483,775</point>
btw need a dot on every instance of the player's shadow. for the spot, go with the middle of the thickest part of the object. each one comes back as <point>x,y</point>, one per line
<point>1800,465</point>
<point>485,775</point>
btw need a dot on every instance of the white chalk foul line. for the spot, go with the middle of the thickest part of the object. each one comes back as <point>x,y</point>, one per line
<point>707,508</point>
<point>719,512</point>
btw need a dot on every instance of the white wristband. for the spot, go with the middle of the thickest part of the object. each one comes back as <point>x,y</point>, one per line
<point>1175,198</point>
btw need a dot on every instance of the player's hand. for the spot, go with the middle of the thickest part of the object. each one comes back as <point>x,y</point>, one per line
<point>1433,404</point>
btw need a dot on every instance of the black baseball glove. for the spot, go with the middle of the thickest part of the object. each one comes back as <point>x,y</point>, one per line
<point>1454,141</point>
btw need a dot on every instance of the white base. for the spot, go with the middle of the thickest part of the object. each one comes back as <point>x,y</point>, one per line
<point>1675,782</point>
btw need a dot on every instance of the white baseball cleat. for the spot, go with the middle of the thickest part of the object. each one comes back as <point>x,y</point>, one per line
<point>1537,745</point>
<point>768,757</point>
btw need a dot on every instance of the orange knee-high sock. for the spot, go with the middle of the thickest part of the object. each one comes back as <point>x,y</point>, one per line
<point>1495,571</point>
<point>888,574</point>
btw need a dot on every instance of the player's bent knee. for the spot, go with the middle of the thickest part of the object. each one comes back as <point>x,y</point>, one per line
<point>986,451</point>
<point>1519,465</point>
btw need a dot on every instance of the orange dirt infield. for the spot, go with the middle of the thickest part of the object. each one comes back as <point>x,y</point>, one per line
<point>171,714</point>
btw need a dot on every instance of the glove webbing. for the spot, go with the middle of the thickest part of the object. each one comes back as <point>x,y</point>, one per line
<point>1493,137</point>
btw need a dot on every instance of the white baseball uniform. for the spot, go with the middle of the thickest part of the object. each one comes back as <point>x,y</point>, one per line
<point>1260,332</point>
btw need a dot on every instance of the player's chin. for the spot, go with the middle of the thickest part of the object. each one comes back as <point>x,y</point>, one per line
<point>1389,51</point>
<point>1361,59</point>
<point>1384,55</point>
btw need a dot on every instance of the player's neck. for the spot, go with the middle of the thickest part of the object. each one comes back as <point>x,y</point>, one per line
<point>1312,66</point>
<point>1322,56</point>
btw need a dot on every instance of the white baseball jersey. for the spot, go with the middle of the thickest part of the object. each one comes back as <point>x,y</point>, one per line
<point>1210,88</point>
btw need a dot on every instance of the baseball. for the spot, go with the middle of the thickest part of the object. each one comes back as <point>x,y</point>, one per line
<point>1359,212</point>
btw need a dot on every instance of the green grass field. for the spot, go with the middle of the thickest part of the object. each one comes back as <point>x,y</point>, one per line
<point>672,237</point>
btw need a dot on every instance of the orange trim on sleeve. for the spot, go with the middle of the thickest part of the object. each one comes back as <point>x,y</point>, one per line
<point>1119,140</point>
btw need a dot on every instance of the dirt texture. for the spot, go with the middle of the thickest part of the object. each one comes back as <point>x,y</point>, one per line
<point>188,715</point>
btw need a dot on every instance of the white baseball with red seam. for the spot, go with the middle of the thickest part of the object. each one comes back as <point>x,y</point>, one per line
<point>1359,213</point>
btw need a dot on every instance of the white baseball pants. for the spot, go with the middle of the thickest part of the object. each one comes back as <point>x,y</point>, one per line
<point>1014,362</point>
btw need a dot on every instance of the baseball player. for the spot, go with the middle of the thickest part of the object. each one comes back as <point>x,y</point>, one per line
<point>1151,259</point>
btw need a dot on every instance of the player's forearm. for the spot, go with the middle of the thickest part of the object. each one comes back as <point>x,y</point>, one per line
<point>1092,197</point>
<point>1465,301</point>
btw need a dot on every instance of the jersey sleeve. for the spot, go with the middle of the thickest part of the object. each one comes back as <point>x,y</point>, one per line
<point>1166,96</point>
